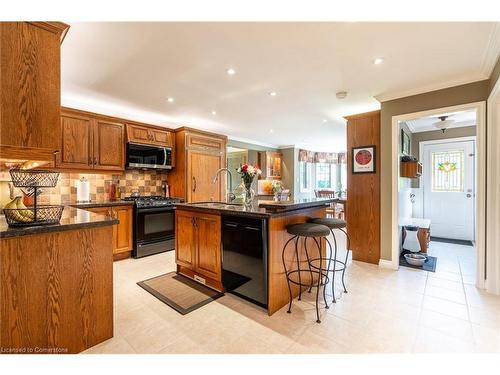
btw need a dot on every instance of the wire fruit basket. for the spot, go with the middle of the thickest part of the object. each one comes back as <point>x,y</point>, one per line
<point>33,179</point>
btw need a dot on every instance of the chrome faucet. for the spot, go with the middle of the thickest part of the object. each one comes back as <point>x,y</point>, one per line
<point>230,195</point>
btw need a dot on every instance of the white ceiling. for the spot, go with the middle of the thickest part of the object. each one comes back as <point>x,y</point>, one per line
<point>461,119</point>
<point>129,70</point>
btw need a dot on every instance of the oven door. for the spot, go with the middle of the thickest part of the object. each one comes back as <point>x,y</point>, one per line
<point>155,223</point>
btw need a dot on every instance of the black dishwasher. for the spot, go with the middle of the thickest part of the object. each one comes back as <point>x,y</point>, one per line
<point>244,258</point>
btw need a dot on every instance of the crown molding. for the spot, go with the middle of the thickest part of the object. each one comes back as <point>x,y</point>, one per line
<point>391,95</point>
<point>492,52</point>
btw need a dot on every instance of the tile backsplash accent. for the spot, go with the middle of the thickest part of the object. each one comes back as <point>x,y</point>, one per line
<point>146,182</point>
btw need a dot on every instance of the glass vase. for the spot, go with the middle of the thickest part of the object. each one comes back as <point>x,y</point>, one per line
<point>249,194</point>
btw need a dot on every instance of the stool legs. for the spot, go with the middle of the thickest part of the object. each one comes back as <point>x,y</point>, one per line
<point>320,277</point>
<point>298,267</point>
<point>286,274</point>
<point>346,257</point>
<point>309,264</point>
<point>334,264</point>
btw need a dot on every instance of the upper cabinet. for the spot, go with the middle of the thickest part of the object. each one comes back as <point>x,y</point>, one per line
<point>109,145</point>
<point>91,142</point>
<point>270,164</point>
<point>149,135</point>
<point>30,89</point>
<point>199,156</point>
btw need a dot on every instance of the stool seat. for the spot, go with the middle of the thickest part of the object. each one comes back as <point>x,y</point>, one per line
<point>331,223</point>
<point>308,230</point>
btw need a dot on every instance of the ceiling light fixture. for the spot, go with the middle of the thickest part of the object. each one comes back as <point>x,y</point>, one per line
<point>378,61</point>
<point>214,113</point>
<point>341,95</point>
<point>231,71</point>
<point>170,100</point>
<point>443,123</point>
<point>325,121</point>
<point>271,130</point>
<point>273,93</point>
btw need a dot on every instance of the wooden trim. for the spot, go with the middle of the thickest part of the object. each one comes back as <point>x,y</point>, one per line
<point>82,112</point>
<point>211,283</point>
<point>121,256</point>
<point>194,130</point>
<point>54,27</point>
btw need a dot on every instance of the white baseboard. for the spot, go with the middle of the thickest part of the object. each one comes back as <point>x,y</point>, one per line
<point>389,264</point>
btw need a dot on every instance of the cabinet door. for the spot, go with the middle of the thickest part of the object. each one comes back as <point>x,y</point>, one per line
<point>208,250</point>
<point>30,87</point>
<point>161,137</point>
<point>202,168</point>
<point>138,134</point>
<point>123,231</point>
<point>76,150</point>
<point>109,145</point>
<point>185,239</point>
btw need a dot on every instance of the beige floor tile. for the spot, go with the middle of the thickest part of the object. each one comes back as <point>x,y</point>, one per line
<point>445,284</point>
<point>457,328</point>
<point>457,296</point>
<point>111,346</point>
<point>431,341</point>
<point>487,339</point>
<point>445,307</point>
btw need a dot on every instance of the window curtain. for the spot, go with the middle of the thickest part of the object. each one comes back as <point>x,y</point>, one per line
<point>322,157</point>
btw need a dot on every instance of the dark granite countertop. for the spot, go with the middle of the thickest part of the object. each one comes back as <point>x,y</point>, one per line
<point>262,208</point>
<point>72,218</point>
<point>101,204</point>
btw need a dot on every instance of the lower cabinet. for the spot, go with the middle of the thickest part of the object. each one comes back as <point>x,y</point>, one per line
<point>198,247</point>
<point>122,232</point>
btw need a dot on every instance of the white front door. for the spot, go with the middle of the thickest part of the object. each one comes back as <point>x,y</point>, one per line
<point>449,194</point>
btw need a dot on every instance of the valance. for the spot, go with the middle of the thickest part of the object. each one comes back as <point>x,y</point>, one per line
<point>322,157</point>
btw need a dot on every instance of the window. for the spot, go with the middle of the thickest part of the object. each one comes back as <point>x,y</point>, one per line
<point>447,171</point>
<point>305,176</point>
<point>324,176</point>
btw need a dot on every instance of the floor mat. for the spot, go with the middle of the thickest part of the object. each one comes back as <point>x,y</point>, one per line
<point>456,242</point>
<point>179,292</point>
<point>429,265</point>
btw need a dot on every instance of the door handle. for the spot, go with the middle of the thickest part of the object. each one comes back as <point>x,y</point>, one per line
<point>469,195</point>
<point>194,184</point>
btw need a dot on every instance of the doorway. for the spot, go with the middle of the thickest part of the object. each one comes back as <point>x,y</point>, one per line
<point>408,194</point>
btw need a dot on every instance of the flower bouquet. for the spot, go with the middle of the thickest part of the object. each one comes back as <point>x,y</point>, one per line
<point>247,173</point>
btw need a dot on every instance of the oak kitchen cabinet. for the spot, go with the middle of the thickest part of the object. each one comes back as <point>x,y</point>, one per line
<point>270,164</point>
<point>30,86</point>
<point>198,157</point>
<point>122,232</point>
<point>147,134</point>
<point>91,142</point>
<point>198,247</point>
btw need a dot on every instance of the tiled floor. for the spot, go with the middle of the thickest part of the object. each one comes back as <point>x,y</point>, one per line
<point>384,311</point>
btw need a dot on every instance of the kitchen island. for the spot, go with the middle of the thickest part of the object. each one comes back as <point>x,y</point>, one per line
<point>56,284</point>
<point>234,248</point>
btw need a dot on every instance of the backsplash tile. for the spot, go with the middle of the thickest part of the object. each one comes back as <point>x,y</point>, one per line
<point>146,182</point>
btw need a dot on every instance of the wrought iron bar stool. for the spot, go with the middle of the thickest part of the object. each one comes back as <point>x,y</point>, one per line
<point>338,265</point>
<point>306,230</point>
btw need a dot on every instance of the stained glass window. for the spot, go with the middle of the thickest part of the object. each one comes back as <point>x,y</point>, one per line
<point>447,171</point>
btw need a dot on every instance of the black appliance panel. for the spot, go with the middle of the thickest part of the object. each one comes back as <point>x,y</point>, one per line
<point>244,260</point>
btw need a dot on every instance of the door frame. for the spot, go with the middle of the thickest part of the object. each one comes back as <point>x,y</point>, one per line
<point>480,235</point>
<point>473,138</point>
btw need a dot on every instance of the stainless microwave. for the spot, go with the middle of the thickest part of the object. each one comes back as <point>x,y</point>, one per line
<point>148,156</point>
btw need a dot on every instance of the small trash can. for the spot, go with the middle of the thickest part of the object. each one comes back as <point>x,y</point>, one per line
<point>411,242</point>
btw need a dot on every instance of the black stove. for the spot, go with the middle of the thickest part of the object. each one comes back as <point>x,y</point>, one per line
<point>152,201</point>
<point>154,224</point>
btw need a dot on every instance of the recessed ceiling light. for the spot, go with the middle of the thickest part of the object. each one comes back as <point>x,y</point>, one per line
<point>272,93</point>
<point>325,120</point>
<point>271,130</point>
<point>231,71</point>
<point>170,99</point>
<point>214,113</point>
<point>378,61</point>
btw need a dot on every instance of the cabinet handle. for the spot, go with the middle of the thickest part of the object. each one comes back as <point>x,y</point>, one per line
<point>95,160</point>
<point>194,184</point>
